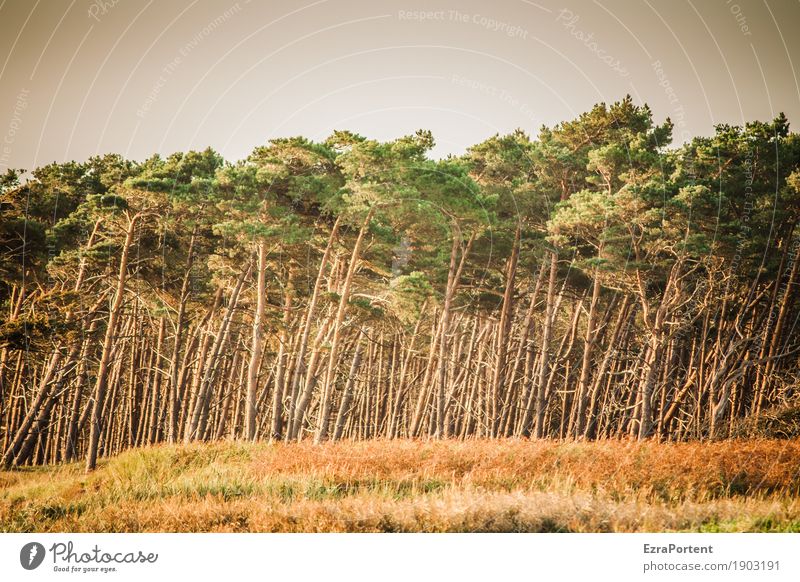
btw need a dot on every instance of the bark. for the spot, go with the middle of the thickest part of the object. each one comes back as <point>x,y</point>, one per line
<point>344,299</point>
<point>197,425</point>
<point>108,343</point>
<point>547,328</point>
<point>299,368</point>
<point>503,330</point>
<point>257,345</point>
<point>347,394</point>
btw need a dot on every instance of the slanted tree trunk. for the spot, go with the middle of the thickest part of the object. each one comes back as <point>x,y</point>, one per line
<point>197,423</point>
<point>582,395</point>
<point>655,352</point>
<point>45,389</point>
<point>257,345</point>
<point>453,277</point>
<point>101,382</point>
<point>280,364</point>
<point>299,367</point>
<point>325,405</point>
<point>547,329</point>
<point>173,400</point>
<point>503,329</point>
<point>347,394</point>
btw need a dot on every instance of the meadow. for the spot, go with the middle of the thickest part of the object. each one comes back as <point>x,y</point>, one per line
<point>745,485</point>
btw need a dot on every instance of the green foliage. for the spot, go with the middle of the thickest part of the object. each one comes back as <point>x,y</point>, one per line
<point>602,189</point>
<point>408,294</point>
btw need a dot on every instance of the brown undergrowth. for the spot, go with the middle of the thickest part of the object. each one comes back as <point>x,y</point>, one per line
<point>409,486</point>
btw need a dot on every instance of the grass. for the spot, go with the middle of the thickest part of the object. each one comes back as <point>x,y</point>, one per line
<point>412,486</point>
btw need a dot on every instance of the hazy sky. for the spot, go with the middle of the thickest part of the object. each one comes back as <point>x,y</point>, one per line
<point>80,77</point>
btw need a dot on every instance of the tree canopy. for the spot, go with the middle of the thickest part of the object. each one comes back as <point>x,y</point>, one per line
<point>593,281</point>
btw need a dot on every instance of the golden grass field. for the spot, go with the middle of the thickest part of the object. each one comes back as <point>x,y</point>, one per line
<point>417,486</point>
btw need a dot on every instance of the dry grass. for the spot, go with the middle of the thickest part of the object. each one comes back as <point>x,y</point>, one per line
<point>745,485</point>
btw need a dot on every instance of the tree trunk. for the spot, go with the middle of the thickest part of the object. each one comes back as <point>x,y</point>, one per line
<point>257,345</point>
<point>506,311</point>
<point>347,395</point>
<point>547,328</point>
<point>108,344</point>
<point>327,389</point>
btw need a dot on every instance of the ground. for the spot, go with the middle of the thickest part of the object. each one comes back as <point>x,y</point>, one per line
<point>417,486</point>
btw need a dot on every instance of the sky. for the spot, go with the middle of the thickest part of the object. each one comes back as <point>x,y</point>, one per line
<point>136,77</point>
